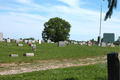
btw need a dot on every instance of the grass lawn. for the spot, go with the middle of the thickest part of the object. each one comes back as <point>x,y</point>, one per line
<point>90,72</point>
<point>51,51</point>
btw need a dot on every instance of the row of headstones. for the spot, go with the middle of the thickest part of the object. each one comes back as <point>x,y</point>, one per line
<point>26,54</point>
<point>32,45</point>
<point>103,44</point>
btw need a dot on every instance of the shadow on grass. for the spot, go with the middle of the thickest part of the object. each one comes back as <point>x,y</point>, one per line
<point>100,78</point>
<point>71,78</point>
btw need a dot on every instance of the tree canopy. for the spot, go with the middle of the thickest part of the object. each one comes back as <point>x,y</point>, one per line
<point>111,4</point>
<point>56,29</point>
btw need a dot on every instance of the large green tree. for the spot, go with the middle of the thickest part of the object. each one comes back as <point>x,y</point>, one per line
<point>56,29</point>
<point>111,4</point>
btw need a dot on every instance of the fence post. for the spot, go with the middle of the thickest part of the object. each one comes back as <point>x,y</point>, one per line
<point>113,66</point>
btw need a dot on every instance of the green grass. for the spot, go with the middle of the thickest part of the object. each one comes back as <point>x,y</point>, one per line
<point>90,72</point>
<point>51,51</point>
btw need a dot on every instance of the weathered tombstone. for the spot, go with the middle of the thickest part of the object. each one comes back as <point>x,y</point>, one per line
<point>16,41</point>
<point>39,41</point>
<point>61,43</point>
<point>113,66</point>
<point>1,37</point>
<point>89,43</point>
<point>103,44</point>
<point>28,54</point>
<point>19,44</point>
<point>112,45</point>
<point>8,40</point>
<point>13,55</point>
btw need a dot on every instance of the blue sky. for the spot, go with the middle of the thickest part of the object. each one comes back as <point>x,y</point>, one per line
<point>25,18</point>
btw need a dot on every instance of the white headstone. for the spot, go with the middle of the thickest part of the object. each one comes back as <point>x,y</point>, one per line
<point>25,41</point>
<point>29,54</point>
<point>48,41</point>
<point>19,44</point>
<point>103,44</point>
<point>8,40</point>
<point>39,41</point>
<point>1,37</point>
<point>61,43</point>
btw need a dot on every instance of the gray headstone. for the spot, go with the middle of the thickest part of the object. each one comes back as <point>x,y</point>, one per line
<point>28,54</point>
<point>89,43</point>
<point>16,41</point>
<point>33,45</point>
<point>19,44</point>
<point>29,41</point>
<point>33,41</point>
<point>1,37</point>
<point>103,44</point>
<point>80,43</point>
<point>61,43</point>
<point>14,55</point>
<point>113,66</point>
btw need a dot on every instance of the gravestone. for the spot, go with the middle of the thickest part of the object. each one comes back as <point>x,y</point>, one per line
<point>48,41</point>
<point>16,41</point>
<point>103,44</point>
<point>19,44</point>
<point>28,54</point>
<point>93,43</point>
<point>42,41</point>
<point>80,43</point>
<point>8,44</point>
<point>89,43</point>
<point>33,41</point>
<point>33,45</point>
<point>52,42</point>
<point>25,41</point>
<point>13,55</point>
<point>61,43</point>
<point>29,41</point>
<point>75,43</point>
<point>39,41</point>
<point>1,37</point>
<point>112,45</point>
<point>8,40</point>
<point>113,66</point>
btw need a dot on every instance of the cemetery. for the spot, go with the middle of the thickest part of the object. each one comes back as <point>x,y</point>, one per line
<point>88,58</point>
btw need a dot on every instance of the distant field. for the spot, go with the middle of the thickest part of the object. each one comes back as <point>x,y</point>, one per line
<point>51,51</point>
<point>90,72</point>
